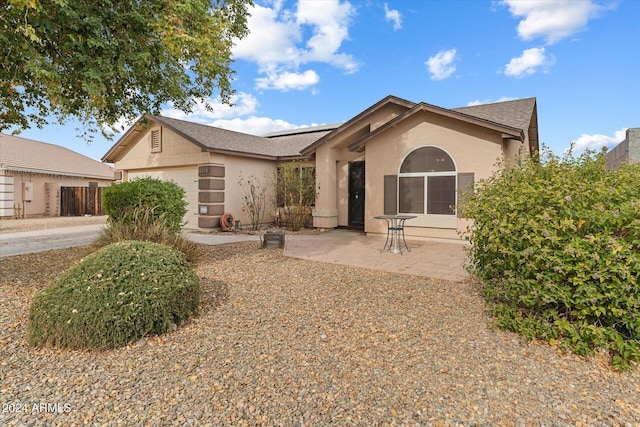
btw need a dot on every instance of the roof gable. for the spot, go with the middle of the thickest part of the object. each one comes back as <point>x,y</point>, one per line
<point>516,119</point>
<point>27,155</point>
<point>356,124</point>
<point>423,107</point>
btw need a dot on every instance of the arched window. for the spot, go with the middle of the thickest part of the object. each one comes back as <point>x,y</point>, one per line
<point>427,183</point>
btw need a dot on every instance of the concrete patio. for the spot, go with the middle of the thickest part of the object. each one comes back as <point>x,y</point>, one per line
<point>434,259</point>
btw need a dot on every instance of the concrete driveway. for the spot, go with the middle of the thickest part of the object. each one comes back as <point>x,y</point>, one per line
<point>24,242</point>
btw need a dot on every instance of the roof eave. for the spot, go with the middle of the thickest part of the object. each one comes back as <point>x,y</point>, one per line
<point>109,157</point>
<point>56,173</point>
<point>240,154</point>
<point>357,119</point>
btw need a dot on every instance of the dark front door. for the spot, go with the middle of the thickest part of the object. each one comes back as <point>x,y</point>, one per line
<point>356,194</point>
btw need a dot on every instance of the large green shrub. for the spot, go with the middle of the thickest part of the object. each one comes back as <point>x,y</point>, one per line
<point>126,201</point>
<point>114,296</point>
<point>557,244</point>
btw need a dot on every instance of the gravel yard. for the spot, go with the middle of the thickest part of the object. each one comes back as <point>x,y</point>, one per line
<point>284,341</point>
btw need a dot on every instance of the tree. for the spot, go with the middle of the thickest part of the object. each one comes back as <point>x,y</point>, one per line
<point>101,61</point>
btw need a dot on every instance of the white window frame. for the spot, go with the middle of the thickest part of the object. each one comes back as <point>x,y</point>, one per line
<point>425,176</point>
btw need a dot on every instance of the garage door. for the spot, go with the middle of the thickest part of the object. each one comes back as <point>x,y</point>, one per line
<point>186,178</point>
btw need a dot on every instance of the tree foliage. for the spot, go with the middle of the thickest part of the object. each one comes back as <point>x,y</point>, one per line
<point>557,244</point>
<point>101,61</point>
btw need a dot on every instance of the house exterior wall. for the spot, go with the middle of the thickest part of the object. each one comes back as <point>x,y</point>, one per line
<point>208,197</point>
<point>264,171</point>
<point>627,151</point>
<point>177,160</point>
<point>325,215</point>
<point>472,148</point>
<point>45,193</point>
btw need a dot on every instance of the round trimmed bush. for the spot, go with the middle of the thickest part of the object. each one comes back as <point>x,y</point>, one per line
<point>116,295</point>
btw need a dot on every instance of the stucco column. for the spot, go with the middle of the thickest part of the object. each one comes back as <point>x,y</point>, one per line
<point>325,215</point>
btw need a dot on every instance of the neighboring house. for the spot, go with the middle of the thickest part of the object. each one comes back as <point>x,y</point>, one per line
<point>396,156</point>
<point>628,151</point>
<point>40,179</point>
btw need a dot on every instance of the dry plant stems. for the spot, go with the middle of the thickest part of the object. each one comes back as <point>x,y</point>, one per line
<point>296,192</point>
<point>143,225</point>
<point>254,199</point>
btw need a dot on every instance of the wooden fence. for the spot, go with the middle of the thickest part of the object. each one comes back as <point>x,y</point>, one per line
<point>80,201</point>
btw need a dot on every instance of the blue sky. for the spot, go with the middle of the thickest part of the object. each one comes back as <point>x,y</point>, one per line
<point>312,62</point>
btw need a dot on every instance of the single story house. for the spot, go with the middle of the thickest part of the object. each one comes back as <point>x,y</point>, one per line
<point>208,162</point>
<point>396,156</point>
<point>627,151</point>
<point>41,179</point>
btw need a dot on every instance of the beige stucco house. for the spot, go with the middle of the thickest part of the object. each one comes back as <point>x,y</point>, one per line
<point>41,179</point>
<point>208,162</point>
<point>401,157</point>
<point>396,156</point>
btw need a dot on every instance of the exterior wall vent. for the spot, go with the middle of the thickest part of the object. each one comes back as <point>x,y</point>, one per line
<point>156,141</point>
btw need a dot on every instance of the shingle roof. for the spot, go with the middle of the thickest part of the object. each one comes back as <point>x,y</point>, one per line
<point>516,113</point>
<point>276,145</point>
<point>26,155</point>
<point>299,139</point>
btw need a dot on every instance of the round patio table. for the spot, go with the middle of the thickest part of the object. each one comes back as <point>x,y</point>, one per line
<point>395,229</point>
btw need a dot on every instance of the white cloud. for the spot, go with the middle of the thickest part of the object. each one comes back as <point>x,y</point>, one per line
<point>441,65</point>
<point>393,16</point>
<point>240,117</point>
<point>243,104</point>
<point>528,63</point>
<point>271,40</point>
<point>490,101</point>
<point>255,125</point>
<point>552,20</point>
<point>287,80</point>
<point>597,142</point>
<point>281,40</point>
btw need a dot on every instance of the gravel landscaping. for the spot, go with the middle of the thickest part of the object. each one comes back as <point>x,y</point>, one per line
<point>284,341</point>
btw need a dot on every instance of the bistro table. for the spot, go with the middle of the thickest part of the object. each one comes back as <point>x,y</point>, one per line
<point>395,229</point>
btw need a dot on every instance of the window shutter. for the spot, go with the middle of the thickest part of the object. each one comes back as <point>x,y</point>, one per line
<point>465,186</point>
<point>390,194</point>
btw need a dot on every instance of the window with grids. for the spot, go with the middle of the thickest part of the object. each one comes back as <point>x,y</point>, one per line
<point>427,183</point>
